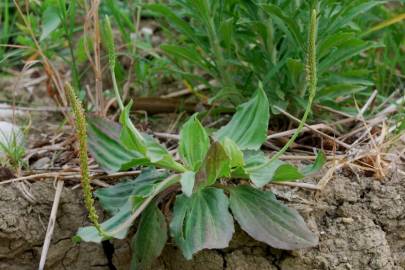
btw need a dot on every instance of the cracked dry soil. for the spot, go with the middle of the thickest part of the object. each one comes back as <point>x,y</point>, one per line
<point>360,221</point>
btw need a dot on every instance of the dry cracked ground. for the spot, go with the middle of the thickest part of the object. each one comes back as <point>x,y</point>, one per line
<point>360,221</point>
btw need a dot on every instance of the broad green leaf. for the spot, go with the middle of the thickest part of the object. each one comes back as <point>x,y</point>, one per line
<point>187,181</point>
<point>317,165</point>
<point>105,145</point>
<point>193,144</point>
<point>267,220</point>
<point>216,165</point>
<point>106,148</point>
<point>248,127</point>
<point>112,198</point>
<point>234,153</point>
<point>201,221</point>
<point>262,176</point>
<point>130,136</point>
<point>114,227</point>
<point>90,233</point>
<point>50,21</point>
<point>150,238</point>
<point>158,155</point>
<point>153,151</point>
<point>287,172</point>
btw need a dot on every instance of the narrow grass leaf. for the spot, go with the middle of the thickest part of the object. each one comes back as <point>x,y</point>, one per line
<point>286,23</point>
<point>188,54</point>
<point>181,25</point>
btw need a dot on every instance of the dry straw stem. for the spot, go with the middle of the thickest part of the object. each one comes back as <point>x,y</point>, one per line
<point>92,25</point>
<point>51,225</point>
<point>345,145</point>
<point>71,175</point>
<point>81,134</point>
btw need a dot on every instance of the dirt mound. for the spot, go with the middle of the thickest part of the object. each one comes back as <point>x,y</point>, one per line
<point>361,223</point>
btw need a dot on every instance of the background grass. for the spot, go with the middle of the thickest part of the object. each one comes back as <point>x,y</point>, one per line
<point>235,44</point>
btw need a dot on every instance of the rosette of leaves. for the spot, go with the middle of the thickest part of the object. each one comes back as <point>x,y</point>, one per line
<point>207,201</point>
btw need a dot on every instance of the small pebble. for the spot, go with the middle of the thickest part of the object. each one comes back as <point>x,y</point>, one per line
<point>347,220</point>
<point>41,164</point>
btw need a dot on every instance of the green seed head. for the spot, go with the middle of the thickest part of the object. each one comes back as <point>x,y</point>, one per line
<point>80,123</point>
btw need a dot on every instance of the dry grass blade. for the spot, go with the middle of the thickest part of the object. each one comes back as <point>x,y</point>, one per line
<point>51,225</point>
<point>297,184</point>
<point>345,145</point>
<point>72,175</point>
<point>92,25</point>
<point>187,91</point>
<point>292,131</point>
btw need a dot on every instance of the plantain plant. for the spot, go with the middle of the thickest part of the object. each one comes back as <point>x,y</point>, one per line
<point>209,181</point>
<point>219,177</point>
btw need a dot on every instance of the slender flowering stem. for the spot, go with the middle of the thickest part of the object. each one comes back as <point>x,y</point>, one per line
<point>311,78</point>
<point>81,134</point>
